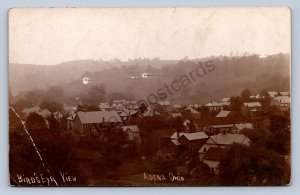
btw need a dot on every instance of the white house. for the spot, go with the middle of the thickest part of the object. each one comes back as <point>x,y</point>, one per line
<point>212,159</point>
<point>194,112</point>
<point>133,132</point>
<point>210,152</point>
<point>222,140</point>
<point>282,102</point>
<point>251,109</point>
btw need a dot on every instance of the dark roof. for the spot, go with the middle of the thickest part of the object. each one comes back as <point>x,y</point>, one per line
<point>163,133</point>
<point>98,116</point>
<point>213,154</point>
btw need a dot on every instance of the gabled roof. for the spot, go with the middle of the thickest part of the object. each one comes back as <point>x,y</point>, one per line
<point>226,139</point>
<point>242,126</point>
<point>44,113</point>
<point>133,128</point>
<point>272,94</point>
<point>104,105</point>
<point>186,122</point>
<point>30,110</point>
<point>225,100</point>
<point>69,108</point>
<point>223,114</point>
<point>177,106</point>
<point>150,112</point>
<point>213,154</point>
<point>190,136</point>
<point>222,126</point>
<point>165,103</point>
<point>283,99</point>
<point>174,115</point>
<point>98,116</point>
<point>71,117</point>
<point>212,104</point>
<point>163,133</point>
<point>285,93</point>
<point>252,104</point>
<point>192,110</point>
<point>176,142</point>
<point>124,113</point>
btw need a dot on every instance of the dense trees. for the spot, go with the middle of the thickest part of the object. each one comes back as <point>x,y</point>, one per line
<point>35,121</point>
<point>244,165</point>
<point>245,95</point>
<point>231,74</point>
<point>52,106</point>
<point>280,127</point>
<point>236,103</point>
<point>94,96</point>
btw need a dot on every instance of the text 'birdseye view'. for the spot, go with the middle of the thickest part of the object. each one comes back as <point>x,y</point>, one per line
<point>149,96</point>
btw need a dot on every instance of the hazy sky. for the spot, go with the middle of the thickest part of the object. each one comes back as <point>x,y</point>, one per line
<point>52,35</point>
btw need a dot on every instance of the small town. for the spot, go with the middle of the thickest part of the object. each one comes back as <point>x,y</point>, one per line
<point>150,96</point>
<point>238,140</point>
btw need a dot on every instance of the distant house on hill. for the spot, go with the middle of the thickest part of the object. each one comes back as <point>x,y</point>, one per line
<point>164,103</point>
<point>57,115</point>
<point>27,111</point>
<point>149,112</point>
<point>274,94</point>
<point>217,106</point>
<point>123,102</point>
<point>225,100</point>
<point>104,106</point>
<point>69,109</point>
<point>176,115</point>
<point>43,112</point>
<point>177,107</point>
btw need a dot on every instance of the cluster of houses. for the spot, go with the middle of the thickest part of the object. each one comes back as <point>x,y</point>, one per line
<point>205,143</point>
<point>45,113</point>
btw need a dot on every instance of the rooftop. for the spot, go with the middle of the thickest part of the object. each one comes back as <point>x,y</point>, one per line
<point>98,117</point>
<point>133,128</point>
<point>190,136</point>
<point>252,104</point>
<point>283,99</point>
<point>223,114</point>
<point>226,139</point>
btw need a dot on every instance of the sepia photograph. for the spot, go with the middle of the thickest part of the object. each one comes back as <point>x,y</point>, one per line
<point>149,96</point>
